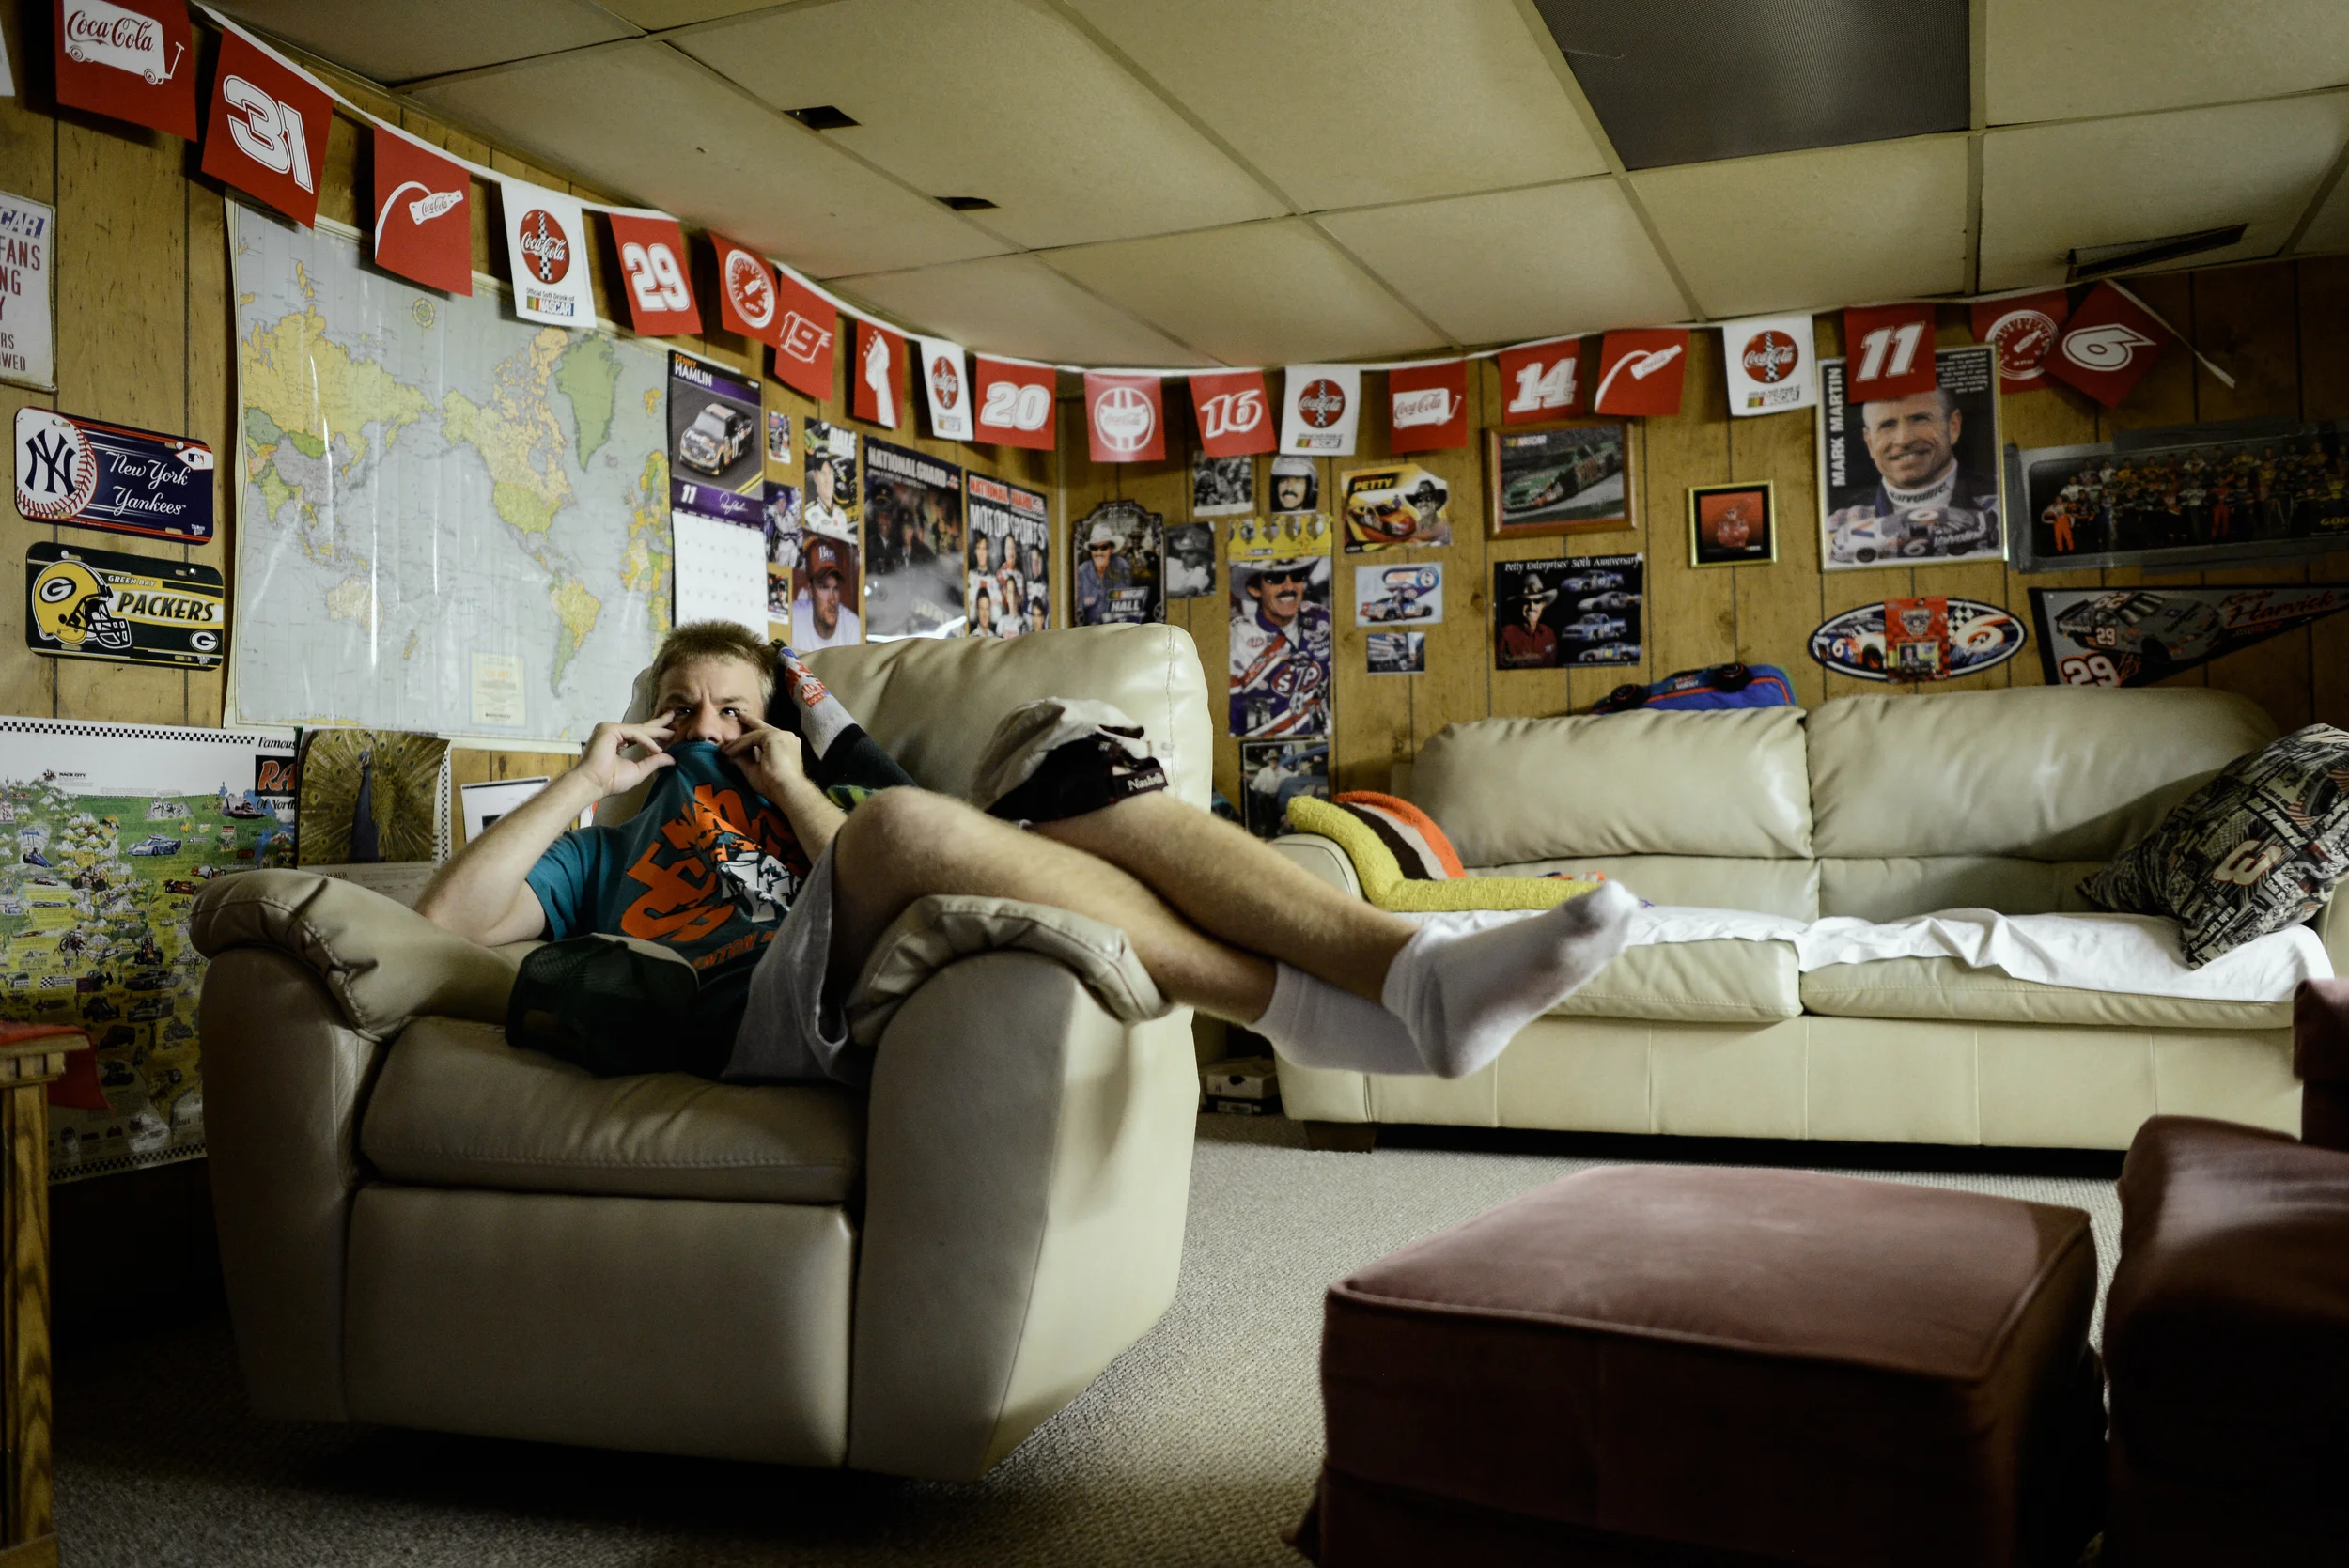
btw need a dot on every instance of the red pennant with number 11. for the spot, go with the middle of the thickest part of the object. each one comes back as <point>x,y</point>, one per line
<point>1887,352</point>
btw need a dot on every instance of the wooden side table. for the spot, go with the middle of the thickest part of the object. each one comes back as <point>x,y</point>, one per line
<point>30,1056</point>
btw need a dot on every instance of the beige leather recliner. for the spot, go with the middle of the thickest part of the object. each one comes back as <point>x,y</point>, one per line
<point>423,1227</point>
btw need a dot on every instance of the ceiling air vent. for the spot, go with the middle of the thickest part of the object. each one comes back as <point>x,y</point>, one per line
<point>821,117</point>
<point>968,203</point>
<point>2096,261</point>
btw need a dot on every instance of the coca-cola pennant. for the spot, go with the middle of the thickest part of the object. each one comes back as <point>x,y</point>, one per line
<point>1321,408</point>
<point>545,244</point>
<point>134,60</point>
<point>944,387</point>
<point>268,131</point>
<point>1013,402</point>
<point>1640,372</point>
<point>1234,414</point>
<point>423,214</point>
<point>804,338</point>
<point>1887,352</point>
<point>2107,346</point>
<point>747,301</point>
<point>661,299</point>
<point>880,376</point>
<point>2023,329</point>
<point>1125,418</point>
<point>1427,406</point>
<point>1541,381</point>
<point>1771,363</point>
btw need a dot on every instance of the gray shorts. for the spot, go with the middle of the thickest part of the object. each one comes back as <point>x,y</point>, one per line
<point>790,1031</point>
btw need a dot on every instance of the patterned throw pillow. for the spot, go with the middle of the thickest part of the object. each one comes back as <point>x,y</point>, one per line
<point>2252,851</point>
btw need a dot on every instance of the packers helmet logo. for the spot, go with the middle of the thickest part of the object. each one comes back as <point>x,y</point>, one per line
<point>72,605</point>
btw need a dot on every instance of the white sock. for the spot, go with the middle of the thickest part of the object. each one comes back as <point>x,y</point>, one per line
<point>1464,994</point>
<point>1320,1025</point>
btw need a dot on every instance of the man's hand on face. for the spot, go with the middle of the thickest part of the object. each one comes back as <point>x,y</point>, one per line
<point>616,774</point>
<point>770,759</point>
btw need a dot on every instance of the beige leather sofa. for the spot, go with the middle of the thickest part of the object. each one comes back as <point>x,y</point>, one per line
<point>423,1227</point>
<point>1879,807</point>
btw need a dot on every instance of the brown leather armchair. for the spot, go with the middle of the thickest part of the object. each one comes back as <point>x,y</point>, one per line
<point>423,1227</point>
<point>2227,1327</point>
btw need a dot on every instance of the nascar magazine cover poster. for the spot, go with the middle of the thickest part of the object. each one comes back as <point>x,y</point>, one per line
<point>912,543</point>
<point>1007,579</point>
<point>1282,630</point>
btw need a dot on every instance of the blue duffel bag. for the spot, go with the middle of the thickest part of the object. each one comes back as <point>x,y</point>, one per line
<point>1715,686</point>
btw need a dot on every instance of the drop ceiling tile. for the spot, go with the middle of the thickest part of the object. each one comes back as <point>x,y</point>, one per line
<point>647,124</point>
<point>656,14</point>
<point>2050,189</point>
<point>1353,102</point>
<point>1257,294</point>
<point>1517,264</point>
<point>996,99</point>
<point>427,37</point>
<point>1015,304</point>
<point>2330,230</point>
<point>1815,229</point>
<point>2092,57</point>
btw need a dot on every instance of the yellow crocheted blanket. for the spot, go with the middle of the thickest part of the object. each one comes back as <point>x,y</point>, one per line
<point>1384,882</point>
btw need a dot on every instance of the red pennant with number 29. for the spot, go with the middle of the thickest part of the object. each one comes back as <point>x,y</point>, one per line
<point>653,259</point>
<point>1887,352</point>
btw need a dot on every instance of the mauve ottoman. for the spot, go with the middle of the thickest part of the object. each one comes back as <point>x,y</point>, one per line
<point>1661,1365</point>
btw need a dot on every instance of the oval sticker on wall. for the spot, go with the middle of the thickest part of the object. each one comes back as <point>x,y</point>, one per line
<point>1929,639</point>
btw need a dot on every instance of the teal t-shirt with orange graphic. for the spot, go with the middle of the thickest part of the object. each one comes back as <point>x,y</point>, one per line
<point>707,868</point>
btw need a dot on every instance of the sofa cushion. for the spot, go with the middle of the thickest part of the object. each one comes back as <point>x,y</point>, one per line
<point>1721,981</point>
<point>2254,850</point>
<point>2049,772</point>
<point>1789,888</point>
<point>1898,887</point>
<point>456,1106</point>
<point>1620,783</point>
<point>1948,989</point>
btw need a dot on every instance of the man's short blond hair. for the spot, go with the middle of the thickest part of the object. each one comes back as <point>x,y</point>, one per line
<point>698,640</point>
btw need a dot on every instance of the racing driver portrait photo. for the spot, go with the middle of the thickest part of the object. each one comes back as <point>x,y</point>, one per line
<point>1913,479</point>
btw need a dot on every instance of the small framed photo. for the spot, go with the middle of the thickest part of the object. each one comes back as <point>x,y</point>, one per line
<point>1732,525</point>
<point>1558,479</point>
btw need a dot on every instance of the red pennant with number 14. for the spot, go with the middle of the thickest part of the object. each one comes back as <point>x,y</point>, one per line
<point>1887,352</point>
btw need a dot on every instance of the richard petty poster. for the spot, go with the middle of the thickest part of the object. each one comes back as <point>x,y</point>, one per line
<point>93,475</point>
<point>98,604</point>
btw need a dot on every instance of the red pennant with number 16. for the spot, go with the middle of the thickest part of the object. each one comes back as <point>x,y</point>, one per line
<point>653,259</point>
<point>1887,352</point>
<point>1234,415</point>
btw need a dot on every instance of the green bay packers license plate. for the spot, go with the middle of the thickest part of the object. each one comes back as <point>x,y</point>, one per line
<point>138,609</point>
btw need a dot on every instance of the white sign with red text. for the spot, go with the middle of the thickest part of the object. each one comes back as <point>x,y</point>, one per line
<point>546,242</point>
<point>1321,406</point>
<point>28,336</point>
<point>946,387</point>
<point>1772,364</point>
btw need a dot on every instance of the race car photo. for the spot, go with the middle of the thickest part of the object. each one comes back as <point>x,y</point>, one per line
<point>1594,628</point>
<point>2156,628</point>
<point>1609,653</point>
<point>716,437</point>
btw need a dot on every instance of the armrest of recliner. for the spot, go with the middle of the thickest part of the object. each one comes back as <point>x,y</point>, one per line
<point>1324,857</point>
<point>2320,1055</point>
<point>1028,1167</point>
<point>309,976</point>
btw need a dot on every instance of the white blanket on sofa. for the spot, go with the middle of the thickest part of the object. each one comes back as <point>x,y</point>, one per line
<point>2134,953</point>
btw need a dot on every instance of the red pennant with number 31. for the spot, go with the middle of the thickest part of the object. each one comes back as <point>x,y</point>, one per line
<point>268,131</point>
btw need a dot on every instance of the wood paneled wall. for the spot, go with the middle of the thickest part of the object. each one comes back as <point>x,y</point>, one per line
<point>2280,329</point>
<point>145,335</point>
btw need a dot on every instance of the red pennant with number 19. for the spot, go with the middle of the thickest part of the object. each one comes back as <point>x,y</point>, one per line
<point>652,259</point>
<point>1887,352</point>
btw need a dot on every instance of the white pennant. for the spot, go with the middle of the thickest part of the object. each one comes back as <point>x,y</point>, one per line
<point>946,384</point>
<point>546,243</point>
<point>1320,407</point>
<point>1772,364</point>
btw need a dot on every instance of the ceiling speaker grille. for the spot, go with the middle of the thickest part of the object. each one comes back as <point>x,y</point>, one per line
<point>1691,80</point>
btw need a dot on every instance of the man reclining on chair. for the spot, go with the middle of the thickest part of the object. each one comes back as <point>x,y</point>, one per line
<point>740,863</point>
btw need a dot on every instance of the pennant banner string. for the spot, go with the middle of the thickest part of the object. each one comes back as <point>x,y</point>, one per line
<point>1163,372</point>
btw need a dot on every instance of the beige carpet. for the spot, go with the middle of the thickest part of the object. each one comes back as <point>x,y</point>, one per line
<point>1197,1447</point>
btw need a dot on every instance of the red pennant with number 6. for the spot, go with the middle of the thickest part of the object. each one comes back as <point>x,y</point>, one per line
<point>1887,352</point>
<point>268,131</point>
<point>1015,402</point>
<point>423,214</point>
<point>1235,415</point>
<point>1640,371</point>
<point>1125,418</point>
<point>2108,344</point>
<point>652,261</point>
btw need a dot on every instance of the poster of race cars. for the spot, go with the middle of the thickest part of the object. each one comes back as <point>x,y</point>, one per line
<point>1565,479</point>
<point>1915,480</point>
<point>716,467</point>
<point>1273,773</point>
<point>111,828</point>
<point>1007,581</point>
<point>913,544</point>
<point>1121,562</point>
<point>1399,595</point>
<point>1282,628</point>
<point>1578,609</point>
<point>1394,505</point>
<point>2248,491</point>
<point>1221,487</point>
<point>2136,636</point>
<point>1396,653</point>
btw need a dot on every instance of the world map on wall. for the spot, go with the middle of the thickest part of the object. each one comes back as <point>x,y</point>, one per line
<point>450,520</point>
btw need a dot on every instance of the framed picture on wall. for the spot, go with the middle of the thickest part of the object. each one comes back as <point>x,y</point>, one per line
<point>1558,479</point>
<point>1732,525</point>
<point>1912,481</point>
